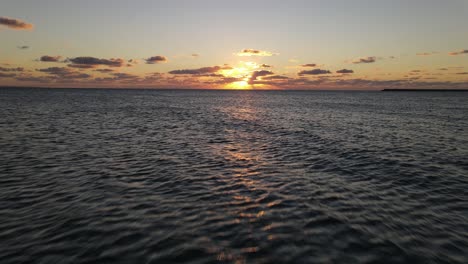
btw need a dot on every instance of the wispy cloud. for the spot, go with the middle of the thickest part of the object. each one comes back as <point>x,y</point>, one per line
<point>461,52</point>
<point>345,71</point>
<point>47,58</point>
<point>56,70</point>
<point>309,65</point>
<point>254,52</point>
<point>314,72</point>
<point>15,24</point>
<point>276,77</point>
<point>18,69</point>
<point>371,59</point>
<point>199,71</point>
<point>426,53</point>
<point>40,79</point>
<point>65,73</point>
<point>94,62</point>
<point>7,75</point>
<point>257,74</point>
<point>156,59</point>
<point>104,70</point>
<point>124,76</point>
<point>82,66</point>
<point>23,47</point>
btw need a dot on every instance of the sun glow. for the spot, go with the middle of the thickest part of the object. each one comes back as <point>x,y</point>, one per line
<point>240,85</point>
<point>240,75</point>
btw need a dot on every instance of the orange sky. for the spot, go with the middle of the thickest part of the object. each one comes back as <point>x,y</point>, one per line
<point>218,44</point>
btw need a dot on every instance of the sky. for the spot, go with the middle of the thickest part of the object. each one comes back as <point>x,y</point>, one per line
<point>217,44</point>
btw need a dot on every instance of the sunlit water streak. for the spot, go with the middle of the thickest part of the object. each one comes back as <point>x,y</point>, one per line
<point>121,176</point>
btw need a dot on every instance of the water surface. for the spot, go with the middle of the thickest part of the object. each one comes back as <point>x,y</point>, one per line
<point>143,176</point>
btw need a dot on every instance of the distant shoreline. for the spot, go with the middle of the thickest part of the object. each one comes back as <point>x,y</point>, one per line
<point>425,90</point>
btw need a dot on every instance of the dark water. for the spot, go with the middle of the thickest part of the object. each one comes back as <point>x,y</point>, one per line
<point>127,176</point>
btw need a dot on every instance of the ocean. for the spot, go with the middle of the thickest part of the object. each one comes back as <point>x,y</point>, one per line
<point>180,176</point>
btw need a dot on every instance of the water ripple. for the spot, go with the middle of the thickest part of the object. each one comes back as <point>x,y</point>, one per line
<point>125,176</point>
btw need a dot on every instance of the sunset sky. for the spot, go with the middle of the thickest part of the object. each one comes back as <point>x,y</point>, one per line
<point>255,44</point>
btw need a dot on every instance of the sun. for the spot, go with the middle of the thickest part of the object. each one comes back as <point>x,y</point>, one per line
<point>241,74</point>
<point>240,85</point>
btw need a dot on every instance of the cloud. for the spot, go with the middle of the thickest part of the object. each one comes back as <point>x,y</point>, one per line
<point>211,75</point>
<point>18,69</point>
<point>156,59</point>
<point>345,71</point>
<point>15,24</point>
<point>275,77</point>
<point>265,66</point>
<point>132,62</point>
<point>33,79</point>
<point>257,74</point>
<point>365,60</point>
<point>47,58</point>
<point>442,69</point>
<point>461,52</point>
<point>154,76</point>
<point>314,72</point>
<point>64,73</point>
<point>204,70</point>
<point>253,52</point>
<point>124,76</point>
<point>195,55</point>
<point>76,76</point>
<point>94,62</point>
<point>23,47</point>
<point>56,70</point>
<point>302,83</point>
<point>309,65</point>
<point>104,70</point>
<point>7,75</point>
<point>462,73</point>
<point>81,66</point>
<point>426,53</point>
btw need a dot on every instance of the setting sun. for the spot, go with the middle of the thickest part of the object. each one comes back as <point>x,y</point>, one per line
<point>243,73</point>
<point>241,85</point>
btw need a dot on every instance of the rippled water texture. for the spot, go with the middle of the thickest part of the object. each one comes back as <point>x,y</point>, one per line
<point>122,176</point>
